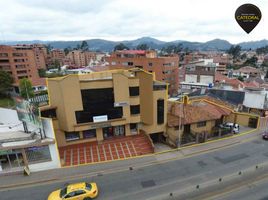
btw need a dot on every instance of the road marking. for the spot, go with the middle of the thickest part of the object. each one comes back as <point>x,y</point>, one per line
<point>110,151</point>
<point>78,156</point>
<point>128,149</point>
<point>109,171</point>
<point>121,146</point>
<point>64,155</point>
<point>71,161</point>
<point>85,154</point>
<point>116,151</point>
<point>104,152</point>
<point>97,148</point>
<point>133,148</point>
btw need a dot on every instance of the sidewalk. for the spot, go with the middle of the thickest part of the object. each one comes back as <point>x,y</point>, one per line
<point>69,173</point>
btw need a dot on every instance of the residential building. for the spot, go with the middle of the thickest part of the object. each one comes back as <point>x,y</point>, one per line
<point>19,149</point>
<point>164,68</point>
<point>103,105</point>
<point>247,72</point>
<point>199,74</point>
<point>23,62</point>
<point>194,121</point>
<point>59,55</point>
<point>81,58</point>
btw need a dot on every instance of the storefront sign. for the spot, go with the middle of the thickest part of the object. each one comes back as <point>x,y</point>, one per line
<point>120,104</point>
<point>102,125</point>
<point>101,118</point>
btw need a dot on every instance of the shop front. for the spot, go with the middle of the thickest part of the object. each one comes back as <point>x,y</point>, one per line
<point>11,160</point>
<point>113,131</point>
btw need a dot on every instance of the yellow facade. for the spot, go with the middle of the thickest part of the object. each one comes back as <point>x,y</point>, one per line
<point>65,95</point>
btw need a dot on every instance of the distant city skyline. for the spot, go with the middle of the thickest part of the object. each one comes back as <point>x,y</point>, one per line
<point>117,20</point>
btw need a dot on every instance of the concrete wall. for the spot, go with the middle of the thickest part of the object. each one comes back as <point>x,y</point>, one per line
<point>55,159</point>
<point>9,116</point>
<point>207,128</point>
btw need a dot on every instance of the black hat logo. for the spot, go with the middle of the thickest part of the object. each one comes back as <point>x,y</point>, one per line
<point>248,16</point>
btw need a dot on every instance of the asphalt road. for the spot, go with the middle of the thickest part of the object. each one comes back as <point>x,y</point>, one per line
<point>176,177</point>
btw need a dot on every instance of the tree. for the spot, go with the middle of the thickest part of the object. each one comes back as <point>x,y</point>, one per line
<point>67,50</point>
<point>234,51</point>
<point>120,47</point>
<point>266,75</point>
<point>84,46</point>
<point>240,78</point>
<point>26,88</point>
<point>251,61</point>
<point>6,81</point>
<point>142,47</point>
<point>42,73</point>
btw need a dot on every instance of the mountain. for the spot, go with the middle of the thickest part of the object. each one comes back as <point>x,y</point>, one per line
<point>216,44</point>
<point>253,44</point>
<point>107,46</point>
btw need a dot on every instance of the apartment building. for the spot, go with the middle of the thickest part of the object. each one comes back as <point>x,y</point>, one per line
<point>81,58</point>
<point>199,74</point>
<point>164,68</point>
<point>102,105</point>
<point>23,62</point>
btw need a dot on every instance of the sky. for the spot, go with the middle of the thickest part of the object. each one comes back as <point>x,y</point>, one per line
<point>168,20</point>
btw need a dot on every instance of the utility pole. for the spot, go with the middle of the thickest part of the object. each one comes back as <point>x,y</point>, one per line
<point>180,123</point>
<point>26,91</point>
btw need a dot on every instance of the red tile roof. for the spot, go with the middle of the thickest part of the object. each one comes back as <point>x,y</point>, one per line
<point>133,52</point>
<point>195,112</point>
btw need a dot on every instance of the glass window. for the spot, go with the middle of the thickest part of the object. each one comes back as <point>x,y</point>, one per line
<point>134,91</point>
<point>160,111</point>
<point>38,154</point>
<point>70,136</point>
<point>79,192</point>
<point>134,110</point>
<point>201,124</point>
<point>89,133</point>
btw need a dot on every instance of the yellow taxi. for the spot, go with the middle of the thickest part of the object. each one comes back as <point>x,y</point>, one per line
<point>76,191</point>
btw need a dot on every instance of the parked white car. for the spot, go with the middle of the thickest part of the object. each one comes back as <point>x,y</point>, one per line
<point>230,126</point>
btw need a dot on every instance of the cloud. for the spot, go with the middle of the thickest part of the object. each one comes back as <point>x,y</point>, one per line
<point>168,20</point>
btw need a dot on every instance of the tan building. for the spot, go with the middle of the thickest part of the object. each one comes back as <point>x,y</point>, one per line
<point>194,121</point>
<point>102,105</point>
<point>23,62</point>
<point>81,58</point>
<point>164,68</point>
<point>58,54</point>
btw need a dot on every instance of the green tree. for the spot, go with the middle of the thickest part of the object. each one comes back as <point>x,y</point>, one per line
<point>67,50</point>
<point>84,46</point>
<point>26,88</point>
<point>240,78</point>
<point>6,81</point>
<point>42,73</point>
<point>234,51</point>
<point>120,47</point>
<point>142,47</point>
<point>251,61</point>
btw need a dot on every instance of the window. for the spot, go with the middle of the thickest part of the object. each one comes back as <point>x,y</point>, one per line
<point>113,63</point>
<point>134,110</point>
<point>70,136</point>
<point>133,127</point>
<point>98,102</point>
<point>79,192</point>
<point>150,64</point>
<point>3,55</point>
<point>38,154</point>
<point>201,124</point>
<point>160,111</point>
<point>89,133</point>
<point>130,63</point>
<point>134,91</point>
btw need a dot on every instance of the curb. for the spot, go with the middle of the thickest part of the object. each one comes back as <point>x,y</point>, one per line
<point>136,157</point>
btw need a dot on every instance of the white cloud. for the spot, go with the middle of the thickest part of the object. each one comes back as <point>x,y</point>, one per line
<point>192,20</point>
